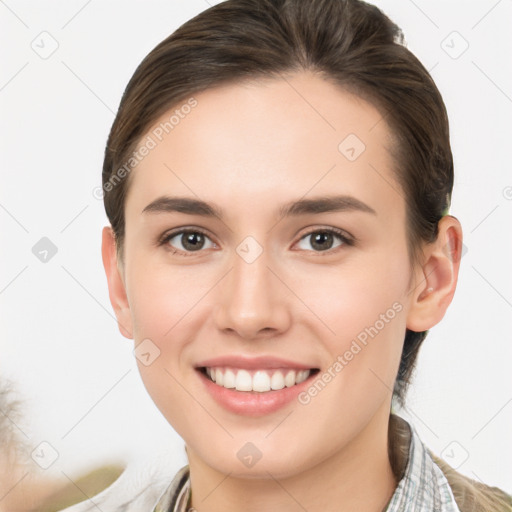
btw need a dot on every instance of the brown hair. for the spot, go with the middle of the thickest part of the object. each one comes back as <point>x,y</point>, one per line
<point>348,42</point>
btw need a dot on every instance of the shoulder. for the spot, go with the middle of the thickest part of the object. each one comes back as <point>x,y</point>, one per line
<point>471,495</point>
<point>138,489</point>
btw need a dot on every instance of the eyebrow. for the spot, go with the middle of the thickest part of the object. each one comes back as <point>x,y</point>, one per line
<point>324,204</point>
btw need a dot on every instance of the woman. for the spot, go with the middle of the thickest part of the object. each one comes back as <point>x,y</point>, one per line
<point>277,180</point>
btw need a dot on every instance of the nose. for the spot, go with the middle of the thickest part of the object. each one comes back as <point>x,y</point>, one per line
<point>253,299</point>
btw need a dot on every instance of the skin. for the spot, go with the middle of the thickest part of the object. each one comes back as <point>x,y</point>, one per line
<point>250,148</point>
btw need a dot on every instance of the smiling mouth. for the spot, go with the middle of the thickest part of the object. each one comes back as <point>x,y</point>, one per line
<point>261,380</point>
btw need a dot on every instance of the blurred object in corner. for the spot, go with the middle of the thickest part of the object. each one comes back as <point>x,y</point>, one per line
<point>23,486</point>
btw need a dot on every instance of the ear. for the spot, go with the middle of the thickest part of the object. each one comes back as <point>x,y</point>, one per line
<point>116,285</point>
<point>437,278</point>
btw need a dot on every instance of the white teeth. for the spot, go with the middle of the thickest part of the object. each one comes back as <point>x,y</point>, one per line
<point>289,380</point>
<point>277,381</point>
<point>243,381</point>
<point>219,378</point>
<point>229,379</point>
<point>260,380</point>
<point>301,376</point>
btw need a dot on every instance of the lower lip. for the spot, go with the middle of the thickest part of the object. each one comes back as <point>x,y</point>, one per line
<point>253,403</point>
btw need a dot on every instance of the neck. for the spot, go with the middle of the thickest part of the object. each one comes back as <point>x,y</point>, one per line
<point>358,477</point>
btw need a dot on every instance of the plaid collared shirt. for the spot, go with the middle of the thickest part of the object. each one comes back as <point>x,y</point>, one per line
<point>422,486</point>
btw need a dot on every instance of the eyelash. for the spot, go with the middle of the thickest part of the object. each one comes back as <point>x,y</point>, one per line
<point>345,238</point>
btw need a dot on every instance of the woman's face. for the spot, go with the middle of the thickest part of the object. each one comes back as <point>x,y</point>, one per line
<point>261,297</point>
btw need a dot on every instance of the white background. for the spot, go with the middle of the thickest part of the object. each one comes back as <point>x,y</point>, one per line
<point>59,342</point>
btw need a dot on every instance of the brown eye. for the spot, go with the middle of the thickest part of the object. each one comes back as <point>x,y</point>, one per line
<point>322,240</point>
<point>192,241</point>
<point>186,241</point>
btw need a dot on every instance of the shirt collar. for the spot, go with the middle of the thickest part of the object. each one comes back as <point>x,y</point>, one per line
<point>422,486</point>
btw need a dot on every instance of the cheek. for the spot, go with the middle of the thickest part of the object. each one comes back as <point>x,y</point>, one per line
<point>354,295</point>
<point>362,308</point>
<point>162,296</point>
<point>165,303</point>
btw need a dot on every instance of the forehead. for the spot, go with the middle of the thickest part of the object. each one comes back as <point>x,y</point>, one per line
<point>274,139</point>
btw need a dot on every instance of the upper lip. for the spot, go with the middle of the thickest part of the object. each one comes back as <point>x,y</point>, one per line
<point>252,363</point>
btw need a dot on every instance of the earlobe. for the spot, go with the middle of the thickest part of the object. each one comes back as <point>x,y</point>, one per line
<point>437,279</point>
<point>116,285</point>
